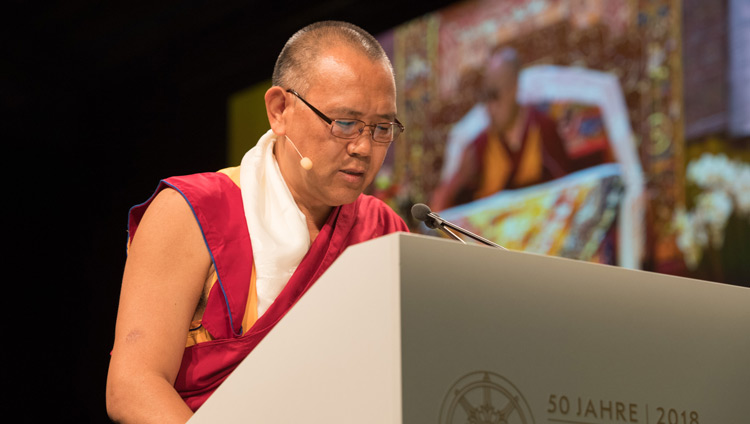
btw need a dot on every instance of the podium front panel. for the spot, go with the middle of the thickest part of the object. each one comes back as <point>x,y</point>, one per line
<point>489,335</point>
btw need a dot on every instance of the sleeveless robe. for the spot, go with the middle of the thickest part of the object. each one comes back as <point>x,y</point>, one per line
<point>216,202</point>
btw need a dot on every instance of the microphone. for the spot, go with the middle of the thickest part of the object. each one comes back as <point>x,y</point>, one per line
<point>304,162</point>
<point>422,212</point>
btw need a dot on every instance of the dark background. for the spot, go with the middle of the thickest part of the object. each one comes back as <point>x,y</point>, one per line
<point>101,100</point>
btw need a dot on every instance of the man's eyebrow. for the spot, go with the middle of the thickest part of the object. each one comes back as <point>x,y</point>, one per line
<point>345,112</point>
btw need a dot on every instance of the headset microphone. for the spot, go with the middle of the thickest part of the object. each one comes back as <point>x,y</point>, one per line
<point>304,162</point>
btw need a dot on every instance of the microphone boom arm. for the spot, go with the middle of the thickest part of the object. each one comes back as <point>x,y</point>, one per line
<point>422,212</point>
<point>442,224</point>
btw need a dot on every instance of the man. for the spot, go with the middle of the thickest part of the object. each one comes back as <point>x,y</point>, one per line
<point>519,147</point>
<point>216,259</point>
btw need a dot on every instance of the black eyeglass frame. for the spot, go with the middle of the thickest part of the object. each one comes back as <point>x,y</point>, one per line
<point>330,122</point>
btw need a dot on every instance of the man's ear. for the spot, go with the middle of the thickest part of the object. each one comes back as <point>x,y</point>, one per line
<point>276,104</point>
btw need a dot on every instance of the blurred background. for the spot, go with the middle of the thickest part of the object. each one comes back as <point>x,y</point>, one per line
<point>101,100</point>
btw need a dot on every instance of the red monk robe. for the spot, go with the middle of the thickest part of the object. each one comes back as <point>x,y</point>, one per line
<point>216,202</point>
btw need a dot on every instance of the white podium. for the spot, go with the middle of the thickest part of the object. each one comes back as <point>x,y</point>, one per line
<point>414,329</point>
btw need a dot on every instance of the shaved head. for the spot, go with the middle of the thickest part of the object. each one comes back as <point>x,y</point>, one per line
<point>506,58</point>
<point>303,50</point>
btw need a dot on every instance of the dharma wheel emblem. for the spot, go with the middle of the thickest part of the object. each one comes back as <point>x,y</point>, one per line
<point>483,397</point>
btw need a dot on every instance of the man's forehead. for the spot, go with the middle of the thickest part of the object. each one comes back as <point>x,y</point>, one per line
<point>342,77</point>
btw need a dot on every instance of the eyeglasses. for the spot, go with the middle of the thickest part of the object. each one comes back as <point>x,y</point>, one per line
<point>383,132</point>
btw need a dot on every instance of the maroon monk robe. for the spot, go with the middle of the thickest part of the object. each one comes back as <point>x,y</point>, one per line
<point>216,202</point>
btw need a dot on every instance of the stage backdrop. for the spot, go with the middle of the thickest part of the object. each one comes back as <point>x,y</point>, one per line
<point>648,95</point>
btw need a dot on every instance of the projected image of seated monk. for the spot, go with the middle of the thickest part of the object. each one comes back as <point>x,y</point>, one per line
<point>520,146</point>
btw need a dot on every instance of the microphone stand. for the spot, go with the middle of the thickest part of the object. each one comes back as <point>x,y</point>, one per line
<point>450,233</point>
<point>422,212</point>
<point>438,222</point>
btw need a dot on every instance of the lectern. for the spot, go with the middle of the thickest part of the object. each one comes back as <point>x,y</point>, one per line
<point>415,329</point>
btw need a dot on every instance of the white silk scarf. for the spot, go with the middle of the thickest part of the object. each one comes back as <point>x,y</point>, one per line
<point>278,229</point>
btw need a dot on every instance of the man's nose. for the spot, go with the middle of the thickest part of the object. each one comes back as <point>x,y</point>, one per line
<point>362,145</point>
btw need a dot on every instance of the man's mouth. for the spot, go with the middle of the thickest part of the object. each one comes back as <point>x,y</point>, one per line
<point>353,174</point>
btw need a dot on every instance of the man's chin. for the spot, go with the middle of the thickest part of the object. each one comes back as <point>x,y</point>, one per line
<point>344,197</point>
